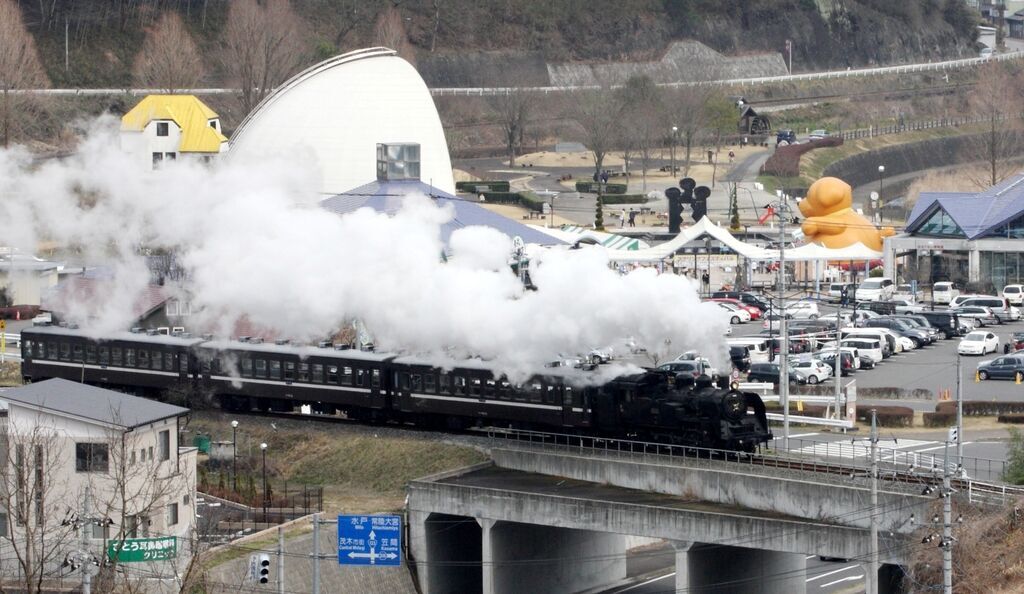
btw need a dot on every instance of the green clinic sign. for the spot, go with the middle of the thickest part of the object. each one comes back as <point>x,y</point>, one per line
<point>134,550</point>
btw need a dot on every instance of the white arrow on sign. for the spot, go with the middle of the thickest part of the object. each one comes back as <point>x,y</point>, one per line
<point>372,556</point>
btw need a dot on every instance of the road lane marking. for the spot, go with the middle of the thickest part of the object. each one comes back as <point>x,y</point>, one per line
<point>833,572</point>
<point>650,581</point>
<point>845,579</point>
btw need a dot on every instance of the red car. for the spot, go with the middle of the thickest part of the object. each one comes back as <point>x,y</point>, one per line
<point>755,313</point>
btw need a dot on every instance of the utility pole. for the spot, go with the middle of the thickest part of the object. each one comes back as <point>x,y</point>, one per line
<point>959,416</point>
<point>316,553</point>
<point>947,526</point>
<point>86,570</point>
<point>784,359</point>
<point>873,569</point>
<point>280,560</point>
<point>839,366</point>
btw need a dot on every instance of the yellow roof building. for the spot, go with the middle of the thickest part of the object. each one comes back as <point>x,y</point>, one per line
<point>199,125</point>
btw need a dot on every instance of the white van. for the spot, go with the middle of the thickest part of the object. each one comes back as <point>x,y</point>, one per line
<point>875,289</point>
<point>1000,306</point>
<point>760,348</point>
<point>945,292</point>
<point>868,347</point>
<point>887,342</point>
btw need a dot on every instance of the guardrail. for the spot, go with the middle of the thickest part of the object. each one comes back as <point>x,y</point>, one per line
<point>12,339</point>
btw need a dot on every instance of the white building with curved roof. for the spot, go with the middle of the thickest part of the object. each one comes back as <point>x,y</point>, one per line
<point>339,110</point>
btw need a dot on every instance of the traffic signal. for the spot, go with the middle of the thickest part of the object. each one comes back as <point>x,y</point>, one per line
<point>264,568</point>
<point>953,435</point>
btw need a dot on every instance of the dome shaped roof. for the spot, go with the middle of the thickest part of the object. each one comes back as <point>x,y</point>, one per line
<point>340,109</point>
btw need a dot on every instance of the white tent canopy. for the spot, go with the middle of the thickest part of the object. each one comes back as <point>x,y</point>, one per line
<point>811,251</point>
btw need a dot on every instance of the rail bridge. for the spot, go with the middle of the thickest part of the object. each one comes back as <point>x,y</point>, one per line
<point>553,516</point>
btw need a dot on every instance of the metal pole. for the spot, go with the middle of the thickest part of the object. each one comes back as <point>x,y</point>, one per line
<point>959,416</point>
<point>280,560</point>
<point>316,553</point>
<point>839,366</point>
<point>264,484</point>
<point>947,527</point>
<point>234,456</point>
<point>873,569</point>
<point>784,359</point>
<point>86,576</point>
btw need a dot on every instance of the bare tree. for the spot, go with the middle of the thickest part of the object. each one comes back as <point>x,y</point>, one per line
<point>262,46</point>
<point>686,108</point>
<point>390,32</point>
<point>513,109</point>
<point>992,101</point>
<point>599,114</point>
<point>644,121</point>
<point>20,67</point>
<point>169,59</point>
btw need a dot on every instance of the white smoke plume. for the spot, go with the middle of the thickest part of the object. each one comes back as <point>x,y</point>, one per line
<point>256,244</point>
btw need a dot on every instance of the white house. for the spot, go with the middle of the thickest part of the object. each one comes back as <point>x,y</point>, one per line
<point>170,127</point>
<point>85,469</point>
<point>26,278</point>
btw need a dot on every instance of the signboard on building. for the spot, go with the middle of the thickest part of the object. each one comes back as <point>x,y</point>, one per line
<point>135,550</point>
<point>370,540</point>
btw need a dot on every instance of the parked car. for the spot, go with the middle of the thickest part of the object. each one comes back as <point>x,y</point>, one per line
<point>803,310</point>
<point>905,292</point>
<point>887,340</point>
<point>1016,342</point>
<point>947,322</point>
<point>867,347</point>
<point>844,320</point>
<point>1000,306</point>
<point>740,357</point>
<point>875,289</point>
<point>737,315</point>
<point>979,342</point>
<point>744,297</point>
<point>814,370</point>
<point>922,323</point>
<point>835,290</point>
<point>818,134</point>
<point>755,312</point>
<point>709,369</point>
<point>904,305</point>
<point>1005,367</point>
<point>916,335</point>
<point>785,137</point>
<point>693,369</point>
<point>846,358</point>
<point>773,322</point>
<point>944,292</point>
<point>1014,294</point>
<point>769,373</point>
<point>863,314</point>
<point>981,316</point>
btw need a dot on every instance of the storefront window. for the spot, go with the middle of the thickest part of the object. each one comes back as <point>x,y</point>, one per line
<point>940,224</point>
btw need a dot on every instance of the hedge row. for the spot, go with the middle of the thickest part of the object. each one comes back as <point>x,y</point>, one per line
<point>589,187</point>
<point>625,199</point>
<point>477,187</point>
<point>939,419</point>
<point>785,161</point>
<point>981,408</point>
<point>828,389</point>
<point>887,416</point>
<point>1013,418</point>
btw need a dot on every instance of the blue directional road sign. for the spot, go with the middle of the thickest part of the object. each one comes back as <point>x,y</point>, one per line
<point>370,540</point>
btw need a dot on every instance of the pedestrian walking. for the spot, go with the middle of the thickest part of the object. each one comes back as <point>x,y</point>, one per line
<point>632,218</point>
<point>732,156</point>
<point>622,218</point>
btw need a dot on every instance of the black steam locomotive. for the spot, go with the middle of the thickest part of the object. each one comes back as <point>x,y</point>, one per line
<point>379,387</point>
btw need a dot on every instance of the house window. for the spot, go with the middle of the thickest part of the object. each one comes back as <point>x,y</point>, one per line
<point>213,124</point>
<point>91,457</point>
<point>100,531</point>
<point>161,129</point>
<point>165,445</point>
<point>5,530</point>
<point>136,526</point>
<point>172,514</point>
<point>171,156</point>
<point>158,158</point>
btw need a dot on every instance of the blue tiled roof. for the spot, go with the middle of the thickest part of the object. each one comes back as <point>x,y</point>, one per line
<point>387,197</point>
<point>976,214</point>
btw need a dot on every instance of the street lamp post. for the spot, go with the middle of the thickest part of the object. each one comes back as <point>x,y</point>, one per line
<point>881,193</point>
<point>707,250</point>
<point>234,457</point>
<point>672,153</point>
<point>263,447</point>
<point>874,207</point>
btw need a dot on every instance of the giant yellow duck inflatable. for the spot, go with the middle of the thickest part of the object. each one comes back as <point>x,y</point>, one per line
<point>831,220</point>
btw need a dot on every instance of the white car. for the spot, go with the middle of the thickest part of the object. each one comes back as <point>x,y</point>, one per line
<point>709,369</point>
<point>978,342</point>
<point>944,292</point>
<point>1014,294</point>
<point>803,310</point>
<point>845,320</point>
<point>818,134</point>
<point>814,370</point>
<point>737,315</point>
<point>828,351</point>
<point>906,306</point>
<point>867,347</point>
<point>905,292</point>
<point>875,289</point>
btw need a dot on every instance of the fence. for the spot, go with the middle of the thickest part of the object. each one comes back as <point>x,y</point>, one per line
<point>872,131</point>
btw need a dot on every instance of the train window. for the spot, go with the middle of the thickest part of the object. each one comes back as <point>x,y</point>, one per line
<point>489,388</point>
<point>129,357</point>
<point>346,376</point>
<point>443,382</point>
<point>115,356</point>
<point>428,382</point>
<point>90,353</point>
<point>475,387</point>
<point>417,382</point>
<point>76,353</point>
<point>143,358</point>
<point>157,359</point>
<point>104,356</point>
<point>261,368</point>
<point>505,391</point>
<point>361,378</point>
<point>332,374</point>
<point>206,366</point>
<point>289,371</point>
<point>459,384</point>
<point>303,372</point>
<point>403,381</point>
<point>247,367</point>
<point>183,364</point>
<point>569,397</point>
<point>318,374</point>
<point>275,370</point>
<point>40,350</point>
<point>375,378</point>
<point>168,361</point>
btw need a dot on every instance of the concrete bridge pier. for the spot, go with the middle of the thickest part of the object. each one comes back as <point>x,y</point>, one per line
<point>719,569</point>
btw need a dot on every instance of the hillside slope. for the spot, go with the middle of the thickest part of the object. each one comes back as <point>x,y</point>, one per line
<point>103,36</point>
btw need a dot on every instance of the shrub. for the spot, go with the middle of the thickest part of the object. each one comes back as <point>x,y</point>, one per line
<point>785,161</point>
<point>625,199</point>
<point>477,187</point>
<point>589,187</point>
<point>981,408</point>
<point>1011,418</point>
<point>887,416</point>
<point>939,419</point>
<point>532,201</point>
<point>502,197</point>
<point>1015,459</point>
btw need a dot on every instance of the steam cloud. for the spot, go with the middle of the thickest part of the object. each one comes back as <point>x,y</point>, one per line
<point>255,243</point>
